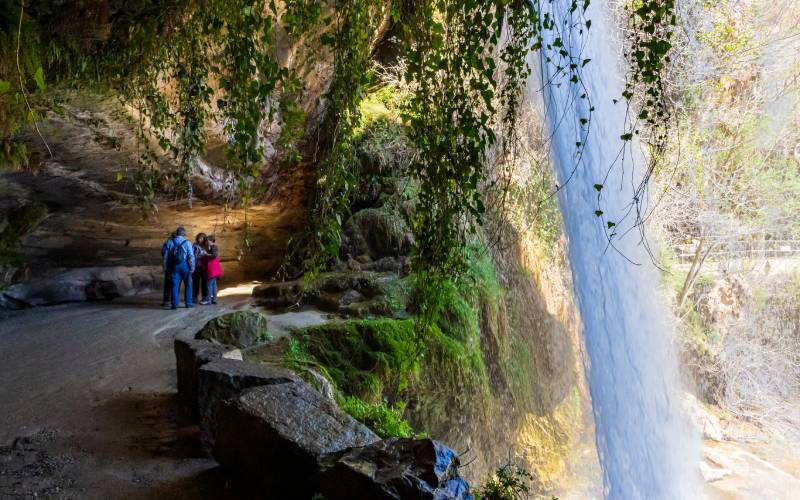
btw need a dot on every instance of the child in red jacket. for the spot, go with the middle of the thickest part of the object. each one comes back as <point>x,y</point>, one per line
<point>213,271</point>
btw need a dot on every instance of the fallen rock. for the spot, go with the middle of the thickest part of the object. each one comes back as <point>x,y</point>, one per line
<point>279,294</point>
<point>241,329</point>
<point>273,436</point>
<point>707,423</point>
<point>394,469</point>
<point>384,265</point>
<point>711,473</point>
<point>328,292</point>
<point>225,378</point>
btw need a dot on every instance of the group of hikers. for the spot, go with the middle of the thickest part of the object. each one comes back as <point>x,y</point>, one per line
<point>189,264</point>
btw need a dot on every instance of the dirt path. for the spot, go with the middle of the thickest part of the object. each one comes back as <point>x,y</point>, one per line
<point>88,401</point>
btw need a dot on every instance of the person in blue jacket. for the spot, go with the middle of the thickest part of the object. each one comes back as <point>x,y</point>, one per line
<point>165,248</point>
<point>179,263</point>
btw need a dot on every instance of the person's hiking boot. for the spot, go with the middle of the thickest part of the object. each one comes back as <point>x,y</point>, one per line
<point>189,306</point>
<point>173,307</point>
<point>205,302</point>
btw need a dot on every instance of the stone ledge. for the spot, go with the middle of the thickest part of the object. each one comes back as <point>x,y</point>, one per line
<point>273,436</point>
<point>190,356</point>
<point>225,378</point>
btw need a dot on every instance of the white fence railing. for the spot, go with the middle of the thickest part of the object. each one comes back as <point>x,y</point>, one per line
<point>764,249</point>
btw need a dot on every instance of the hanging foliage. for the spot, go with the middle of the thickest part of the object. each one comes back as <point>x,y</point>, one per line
<point>453,46</point>
<point>350,42</point>
<point>648,43</point>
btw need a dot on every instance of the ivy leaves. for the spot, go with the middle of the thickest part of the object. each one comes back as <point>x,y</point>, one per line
<point>650,25</point>
<point>452,69</point>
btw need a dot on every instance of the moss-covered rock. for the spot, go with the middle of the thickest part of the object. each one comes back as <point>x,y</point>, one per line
<point>366,358</point>
<point>373,233</point>
<point>240,329</point>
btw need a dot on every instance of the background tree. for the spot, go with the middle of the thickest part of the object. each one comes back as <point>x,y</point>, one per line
<point>731,177</point>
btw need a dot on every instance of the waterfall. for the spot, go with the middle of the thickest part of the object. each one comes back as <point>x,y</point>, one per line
<point>647,448</point>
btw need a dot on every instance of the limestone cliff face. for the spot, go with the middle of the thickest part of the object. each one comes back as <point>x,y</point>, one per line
<point>74,229</point>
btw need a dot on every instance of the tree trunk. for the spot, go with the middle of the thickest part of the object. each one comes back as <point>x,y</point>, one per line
<point>694,271</point>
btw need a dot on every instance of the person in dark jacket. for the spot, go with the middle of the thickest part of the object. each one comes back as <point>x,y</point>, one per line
<point>200,248</point>
<point>180,262</point>
<point>165,248</point>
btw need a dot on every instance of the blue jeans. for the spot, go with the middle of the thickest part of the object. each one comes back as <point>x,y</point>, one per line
<point>180,273</point>
<point>211,290</point>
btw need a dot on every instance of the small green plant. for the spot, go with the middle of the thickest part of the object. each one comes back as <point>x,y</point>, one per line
<point>510,482</point>
<point>385,420</point>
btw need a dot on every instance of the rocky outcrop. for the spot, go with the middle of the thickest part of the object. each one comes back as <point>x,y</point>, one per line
<point>353,293</point>
<point>274,435</point>
<point>392,469</point>
<point>280,437</point>
<point>722,302</point>
<point>706,422</point>
<point>223,379</point>
<point>240,329</point>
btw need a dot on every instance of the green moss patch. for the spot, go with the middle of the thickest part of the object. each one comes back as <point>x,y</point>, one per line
<point>384,420</point>
<point>240,329</point>
<point>364,358</point>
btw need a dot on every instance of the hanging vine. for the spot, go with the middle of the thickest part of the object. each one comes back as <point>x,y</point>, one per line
<point>168,61</point>
<point>350,43</point>
<point>649,27</point>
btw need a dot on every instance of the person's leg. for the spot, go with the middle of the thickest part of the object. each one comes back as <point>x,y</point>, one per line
<point>203,285</point>
<point>167,289</point>
<point>206,291</point>
<point>188,290</point>
<point>195,280</point>
<point>210,291</point>
<point>213,292</point>
<point>175,284</point>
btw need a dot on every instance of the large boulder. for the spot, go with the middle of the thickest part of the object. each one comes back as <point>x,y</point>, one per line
<point>273,437</point>
<point>226,378</point>
<point>190,356</point>
<point>394,469</point>
<point>240,329</point>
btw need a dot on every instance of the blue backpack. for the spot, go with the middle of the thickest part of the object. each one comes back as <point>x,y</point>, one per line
<point>179,253</point>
